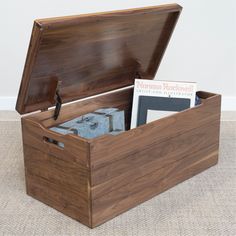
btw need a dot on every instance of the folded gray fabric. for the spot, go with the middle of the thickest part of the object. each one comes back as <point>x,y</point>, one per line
<point>94,124</point>
<point>116,117</point>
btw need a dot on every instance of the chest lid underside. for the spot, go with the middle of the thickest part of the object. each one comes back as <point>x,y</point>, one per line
<point>80,56</point>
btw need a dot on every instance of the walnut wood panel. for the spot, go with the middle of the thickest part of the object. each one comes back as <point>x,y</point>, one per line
<point>57,176</point>
<point>121,99</point>
<point>107,149</point>
<point>29,64</point>
<point>144,188</point>
<point>71,176</point>
<point>75,150</point>
<point>120,173</point>
<point>65,201</point>
<point>92,54</point>
<point>68,20</point>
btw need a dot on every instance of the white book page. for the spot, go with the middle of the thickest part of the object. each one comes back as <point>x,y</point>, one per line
<point>153,115</point>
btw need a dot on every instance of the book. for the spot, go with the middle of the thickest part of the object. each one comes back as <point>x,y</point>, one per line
<point>155,99</point>
<point>152,108</point>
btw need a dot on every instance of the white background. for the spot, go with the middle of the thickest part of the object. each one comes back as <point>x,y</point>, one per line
<point>202,49</point>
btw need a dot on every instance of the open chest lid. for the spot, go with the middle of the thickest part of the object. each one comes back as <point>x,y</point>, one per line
<point>79,56</point>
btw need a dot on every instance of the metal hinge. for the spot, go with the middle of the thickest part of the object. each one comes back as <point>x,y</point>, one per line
<point>58,101</point>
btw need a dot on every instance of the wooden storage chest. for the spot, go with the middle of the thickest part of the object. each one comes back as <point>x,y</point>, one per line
<point>94,180</point>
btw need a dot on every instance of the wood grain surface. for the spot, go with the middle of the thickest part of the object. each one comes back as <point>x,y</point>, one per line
<point>145,187</point>
<point>120,99</point>
<point>134,166</point>
<point>91,54</point>
<point>58,183</point>
<point>153,157</point>
<point>110,174</point>
<point>94,180</point>
<point>137,139</point>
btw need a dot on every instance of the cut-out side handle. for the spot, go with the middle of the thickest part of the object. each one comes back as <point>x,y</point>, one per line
<point>53,142</point>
